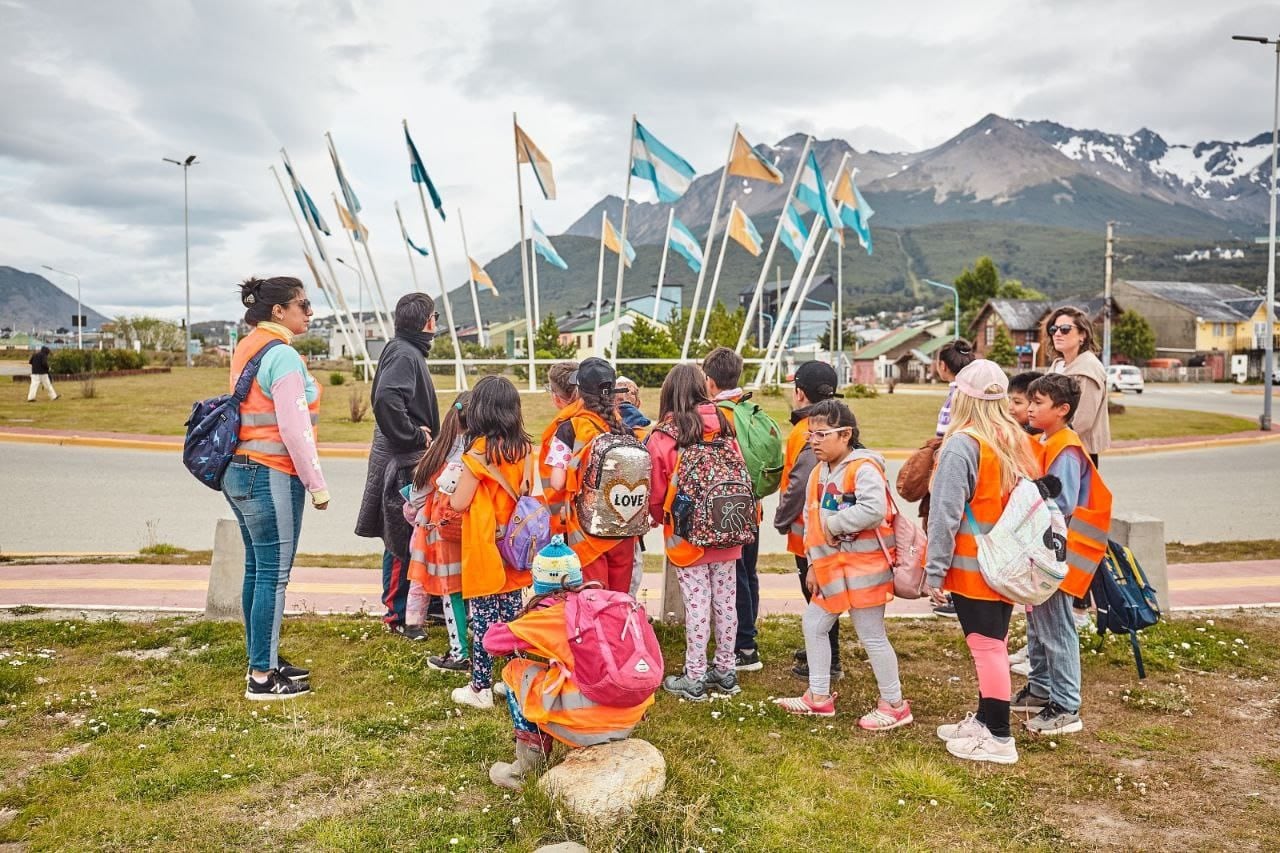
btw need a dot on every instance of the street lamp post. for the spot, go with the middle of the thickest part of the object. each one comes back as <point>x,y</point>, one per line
<point>1268,361</point>
<point>186,239</point>
<point>79,315</point>
<point>955,331</point>
<point>363,286</point>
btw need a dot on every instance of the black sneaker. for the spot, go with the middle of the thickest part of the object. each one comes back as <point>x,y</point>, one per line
<point>801,671</point>
<point>276,687</point>
<point>948,610</point>
<point>800,655</point>
<point>448,663</point>
<point>291,672</point>
<point>747,661</point>
<point>409,632</point>
<point>1027,702</point>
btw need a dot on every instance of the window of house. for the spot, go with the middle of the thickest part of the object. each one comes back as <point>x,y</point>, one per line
<point>991,332</point>
<point>589,344</point>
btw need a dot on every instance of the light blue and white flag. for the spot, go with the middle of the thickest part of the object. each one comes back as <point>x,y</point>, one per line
<point>669,173</point>
<point>683,241</point>
<point>410,242</point>
<point>542,245</point>
<point>794,233</point>
<point>854,210</point>
<point>812,193</point>
<point>418,171</point>
<point>309,209</point>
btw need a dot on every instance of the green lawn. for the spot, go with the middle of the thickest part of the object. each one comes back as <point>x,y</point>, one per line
<point>159,405</point>
<point>126,736</point>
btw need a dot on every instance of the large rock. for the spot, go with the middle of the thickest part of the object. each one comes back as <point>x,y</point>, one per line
<point>562,847</point>
<point>608,780</point>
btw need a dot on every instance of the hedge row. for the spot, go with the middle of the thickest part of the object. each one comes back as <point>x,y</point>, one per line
<point>70,361</point>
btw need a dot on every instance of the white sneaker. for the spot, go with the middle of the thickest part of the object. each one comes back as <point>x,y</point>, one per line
<point>984,748</point>
<point>482,699</point>
<point>1020,656</point>
<point>966,728</point>
<point>1022,668</point>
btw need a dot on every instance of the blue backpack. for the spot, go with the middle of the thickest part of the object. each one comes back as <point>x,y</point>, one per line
<point>213,430</point>
<point>1126,602</point>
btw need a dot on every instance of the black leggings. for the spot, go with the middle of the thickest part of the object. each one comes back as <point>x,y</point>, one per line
<point>986,619</point>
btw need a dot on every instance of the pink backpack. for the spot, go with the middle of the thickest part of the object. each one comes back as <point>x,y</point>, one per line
<point>616,658</point>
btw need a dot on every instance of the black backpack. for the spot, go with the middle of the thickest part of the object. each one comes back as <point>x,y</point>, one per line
<point>1125,600</point>
<point>213,430</point>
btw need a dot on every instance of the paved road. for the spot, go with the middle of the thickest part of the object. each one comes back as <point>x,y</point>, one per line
<point>106,500</point>
<point>1247,403</point>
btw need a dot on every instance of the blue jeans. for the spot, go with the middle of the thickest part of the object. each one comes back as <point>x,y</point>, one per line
<point>748,597</point>
<point>1053,649</point>
<point>268,505</point>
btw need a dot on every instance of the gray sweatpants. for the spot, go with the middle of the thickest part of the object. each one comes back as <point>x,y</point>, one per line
<point>869,623</point>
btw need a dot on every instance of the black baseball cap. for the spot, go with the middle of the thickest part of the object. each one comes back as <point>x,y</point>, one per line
<point>817,380</point>
<point>595,376</point>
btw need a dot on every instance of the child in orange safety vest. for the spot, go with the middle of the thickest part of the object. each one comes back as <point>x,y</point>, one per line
<point>544,699</point>
<point>849,542</point>
<point>1052,692</point>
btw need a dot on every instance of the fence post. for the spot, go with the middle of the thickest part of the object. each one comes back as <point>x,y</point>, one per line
<point>226,574</point>
<point>1144,535</point>
<point>672,600</point>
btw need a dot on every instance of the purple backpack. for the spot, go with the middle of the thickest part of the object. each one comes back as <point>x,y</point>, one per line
<point>616,657</point>
<point>529,529</point>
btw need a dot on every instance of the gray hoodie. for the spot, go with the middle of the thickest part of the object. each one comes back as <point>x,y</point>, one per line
<point>870,488</point>
<point>954,482</point>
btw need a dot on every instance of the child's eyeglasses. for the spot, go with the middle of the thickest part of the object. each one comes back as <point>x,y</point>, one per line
<point>821,434</point>
<point>1062,327</point>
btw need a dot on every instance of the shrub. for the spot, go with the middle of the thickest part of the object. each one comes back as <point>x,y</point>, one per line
<point>357,405</point>
<point>861,392</point>
<point>88,388</point>
<point>337,378</point>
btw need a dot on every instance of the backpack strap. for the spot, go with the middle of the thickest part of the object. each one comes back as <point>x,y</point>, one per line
<point>250,371</point>
<point>497,475</point>
<point>973,524</point>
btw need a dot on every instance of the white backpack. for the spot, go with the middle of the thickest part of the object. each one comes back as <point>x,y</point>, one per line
<point>1023,557</point>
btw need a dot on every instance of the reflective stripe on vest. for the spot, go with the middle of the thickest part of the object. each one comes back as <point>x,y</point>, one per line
<point>1088,527</point>
<point>964,577</point>
<point>855,572</point>
<point>796,441</point>
<point>274,448</point>
<point>568,701</point>
<point>259,435</point>
<point>268,419</point>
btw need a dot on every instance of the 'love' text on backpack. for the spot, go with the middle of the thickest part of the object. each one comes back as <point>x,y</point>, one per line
<point>760,440</point>
<point>616,657</point>
<point>613,502</point>
<point>213,429</point>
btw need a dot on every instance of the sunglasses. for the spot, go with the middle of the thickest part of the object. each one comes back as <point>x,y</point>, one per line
<point>435,317</point>
<point>821,434</point>
<point>304,304</point>
<point>1062,327</point>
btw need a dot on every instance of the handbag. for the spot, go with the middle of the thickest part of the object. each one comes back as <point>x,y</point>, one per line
<point>913,479</point>
<point>912,549</point>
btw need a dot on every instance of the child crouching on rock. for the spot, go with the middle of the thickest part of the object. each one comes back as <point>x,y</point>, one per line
<point>579,695</point>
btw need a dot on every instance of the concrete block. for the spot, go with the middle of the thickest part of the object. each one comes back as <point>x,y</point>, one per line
<point>672,600</point>
<point>226,574</point>
<point>1144,535</point>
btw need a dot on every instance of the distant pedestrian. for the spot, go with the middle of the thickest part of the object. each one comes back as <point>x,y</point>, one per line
<point>407,417</point>
<point>1073,340</point>
<point>40,375</point>
<point>276,465</point>
<point>626,393</point>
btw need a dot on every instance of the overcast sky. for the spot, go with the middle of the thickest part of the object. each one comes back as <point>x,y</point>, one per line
<point>94,94</point>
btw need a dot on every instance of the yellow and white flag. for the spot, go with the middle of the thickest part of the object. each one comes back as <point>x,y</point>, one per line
<point>481,277</point>
<point>612,243</point>
<point>357,229</point>
<point>527,152</point>
<point>746,162</point>
<point>744,232</point>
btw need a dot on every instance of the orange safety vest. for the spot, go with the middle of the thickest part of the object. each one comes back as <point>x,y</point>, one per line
<point>259,431</point>
<point>548,696</point>
<point>988,501</point>
<point>564,518</point>
<point>1090,523</point>
<point>855,572</point>
<point>483,572</point>
<point>435,562</point>
<point>797,440</point>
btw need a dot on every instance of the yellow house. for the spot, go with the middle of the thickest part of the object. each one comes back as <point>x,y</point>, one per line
<point>1197,318</point>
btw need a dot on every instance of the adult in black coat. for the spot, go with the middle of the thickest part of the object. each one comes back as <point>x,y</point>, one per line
<point>406,416</point>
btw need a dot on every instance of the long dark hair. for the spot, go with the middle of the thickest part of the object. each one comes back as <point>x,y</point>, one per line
<point>453,425</point>
<point>837,416</point>
<point>260,295</point>
<point>604,406</point>
<point>493,413</point>
<point>683,391</point>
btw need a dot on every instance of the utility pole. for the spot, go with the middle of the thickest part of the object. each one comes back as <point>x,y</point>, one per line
<point>1106,296</point>
<point>186,239</point>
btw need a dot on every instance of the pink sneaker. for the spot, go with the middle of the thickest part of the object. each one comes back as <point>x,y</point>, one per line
<point>884,717</point>
<point>805,706</point>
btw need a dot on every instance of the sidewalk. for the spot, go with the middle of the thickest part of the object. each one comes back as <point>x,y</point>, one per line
<point>182,588</point>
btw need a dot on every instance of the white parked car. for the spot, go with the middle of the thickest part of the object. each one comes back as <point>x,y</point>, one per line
<point>1124,377</point>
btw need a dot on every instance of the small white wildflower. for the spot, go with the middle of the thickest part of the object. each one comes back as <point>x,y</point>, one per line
<point>933,802</point>
<point>902,802</point>
<point>515,821</point>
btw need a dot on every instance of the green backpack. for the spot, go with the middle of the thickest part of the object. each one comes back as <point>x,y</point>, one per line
<point>761,442</point>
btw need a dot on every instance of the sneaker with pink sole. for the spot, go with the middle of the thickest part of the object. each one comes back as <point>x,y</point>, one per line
<point>805,706</point>
<point>884,717</point>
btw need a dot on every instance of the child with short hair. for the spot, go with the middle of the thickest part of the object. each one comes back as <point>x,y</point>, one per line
<point>849,542</point>
<point>1018,400</point>
<point>497,446</point>
<point>1053,687</point>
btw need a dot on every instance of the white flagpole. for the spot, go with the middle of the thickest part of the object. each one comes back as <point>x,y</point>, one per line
<point>524,264</point>
<point>840,313</point>
<point>622,242</point>
<point>598,347</point>
<point>533,269</point>
<point>361,350</point>
<point>475,300</point>
<point>799,303</point>
<point>373,270</point>
<point>715,279</point>
<point>413,270</point>
<point>320,282</point>
<point>459,376</point>
<point>382,327</point>
<point>706,250</point>
<point>662,267</point>
<point>773,245</point>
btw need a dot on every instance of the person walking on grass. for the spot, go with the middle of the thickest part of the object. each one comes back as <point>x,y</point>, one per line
<point>850,546</point>
<point>984,453</point>
<point>274,469</point>
<point>40,375</point>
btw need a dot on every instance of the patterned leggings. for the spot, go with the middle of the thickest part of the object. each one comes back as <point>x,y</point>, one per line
<point>708,590</point>
<point>490,610</point>
<point>455,617</point>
